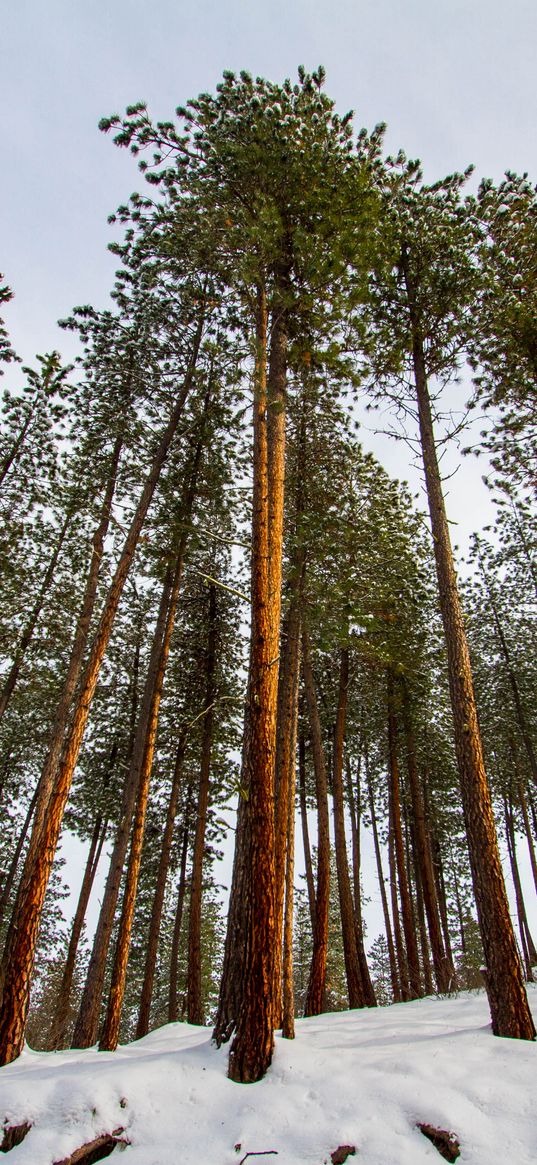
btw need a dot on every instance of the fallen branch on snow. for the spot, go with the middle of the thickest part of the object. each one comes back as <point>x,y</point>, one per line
<point>95,1150</point>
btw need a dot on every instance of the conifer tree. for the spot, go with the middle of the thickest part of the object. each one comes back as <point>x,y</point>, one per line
<point>430,287</point>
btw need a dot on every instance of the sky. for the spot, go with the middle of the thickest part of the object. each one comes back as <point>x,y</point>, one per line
<point>455,80</point>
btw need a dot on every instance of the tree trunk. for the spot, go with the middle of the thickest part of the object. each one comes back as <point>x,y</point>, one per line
<point>194,996</point>
<point>50,771</point>
<point>285,774</point>
<point>511,675</point>
<point>396,987</point>
<point>173,999</point>
<point>230,995</point>
<point>317,979</point>
<point>19,952</point>
<point>158,899</point>
<point>110,1035</point>
<point>404,891</point>
<point>288,1018</point>
<point>10,876</point>
<point>352,967</point>
<point>60,1021</point>
<point>526,940</point>
<point>508,1003</point>
<point>87,1024</point>
<point>16,446</point>
<point>458,903</point>
<point>441,894</point>
<point>305,831</point>
<point>28,630</point>
<point>444,972</point>
<point>355,818</point>
<point>251,1050</point>
<point>402,964</point>
<point>420,911</point>
<point>527,829</point>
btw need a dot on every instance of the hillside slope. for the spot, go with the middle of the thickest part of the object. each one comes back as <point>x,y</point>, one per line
<point>361,1078</point>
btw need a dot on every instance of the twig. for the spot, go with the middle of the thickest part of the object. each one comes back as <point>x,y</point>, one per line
<point>264,1153</point>
<point>216,582</point>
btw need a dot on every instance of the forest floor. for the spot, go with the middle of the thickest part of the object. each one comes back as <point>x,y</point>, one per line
<point>360,1079</point>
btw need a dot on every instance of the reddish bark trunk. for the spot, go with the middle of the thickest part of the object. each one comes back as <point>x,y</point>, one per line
<point>355,818</point>
<point>60,1021</point>
<point>444,971</point>
<point>194,996</point>
<point>87,1023</point>
<point>404,890</point>
<point>285,778</point>
<point>288,1018</point>
<point>110,1035</point>
<point>394,976</point>
<point>19,952</point>
<point>251,1050</point>
<point>310,882</point>
<point>526,940</point>
<point>86,1027</point>
<point>527,829</point>
<point>316,986</point>
<point>10,876</point>
<point>173,995</point>
<point>352,967</point>
<point>402,965</point>
<point>508,1002</point>
<point>158,899</point>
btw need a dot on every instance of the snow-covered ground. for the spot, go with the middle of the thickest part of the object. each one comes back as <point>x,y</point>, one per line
<point>361,1078</point>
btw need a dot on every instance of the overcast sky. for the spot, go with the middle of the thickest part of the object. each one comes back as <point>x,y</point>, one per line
<point>456,81</point>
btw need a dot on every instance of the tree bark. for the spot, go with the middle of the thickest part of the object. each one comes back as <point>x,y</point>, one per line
<point>173,996</point>
<point>158,899</point>
<point>19,952</point>
<point>50,771</point>
<point>508,1003</point>
<point>110,1034</point>
<point>396,986</point>
<point>527,829</point>
<point>285,774</point>
<point>310,883</point>
<point>11,874</point>
<point>87,1024</point>
<point>317,979</point>
<point>194,996</point>
<point>251,1050</point>
<point>60,1021</point>
<point>355,987</point>
<point>402,965</point>
<point>355,818</point>
<point>422,927</point>
<point>511,675</point>
<point>288,1017</point>
<point>414,981</point>
<point>526,940</point>
<point>28,630</point>
<point>444,971</point>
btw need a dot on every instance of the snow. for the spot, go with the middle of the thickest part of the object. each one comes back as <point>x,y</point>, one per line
<point>362,1078</point>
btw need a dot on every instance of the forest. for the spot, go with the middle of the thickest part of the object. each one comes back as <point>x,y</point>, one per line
<point>226,629</point>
